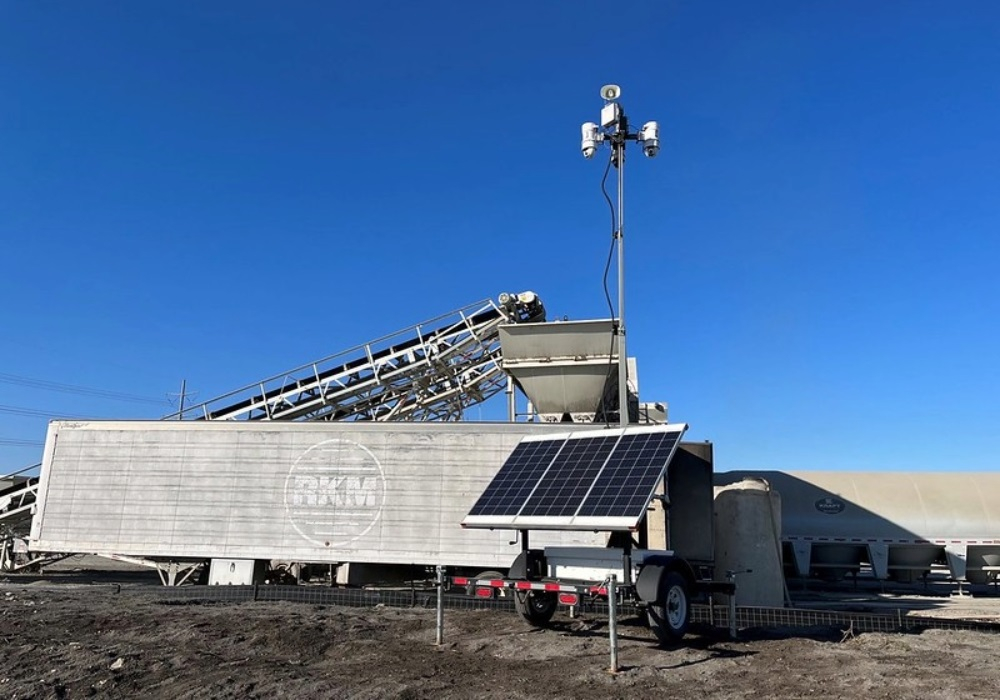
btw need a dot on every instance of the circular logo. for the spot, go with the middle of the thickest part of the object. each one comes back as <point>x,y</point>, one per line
<point>830,506</point>
<point>334,493</point>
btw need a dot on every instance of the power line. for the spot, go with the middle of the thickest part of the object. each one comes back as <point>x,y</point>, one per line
<point>21,443</point>
<point>75,389</point>
<point>18,411</point>
<point>28,468</point>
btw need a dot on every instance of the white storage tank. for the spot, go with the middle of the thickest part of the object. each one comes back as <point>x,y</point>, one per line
<point>748,541</point>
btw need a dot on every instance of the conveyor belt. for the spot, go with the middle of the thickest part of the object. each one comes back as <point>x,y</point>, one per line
<point>432,371</point>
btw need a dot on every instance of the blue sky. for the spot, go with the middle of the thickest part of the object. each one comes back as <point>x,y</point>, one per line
<point>222,191</point>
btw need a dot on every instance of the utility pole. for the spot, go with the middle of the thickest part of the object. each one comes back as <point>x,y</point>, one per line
<point>180,412</point>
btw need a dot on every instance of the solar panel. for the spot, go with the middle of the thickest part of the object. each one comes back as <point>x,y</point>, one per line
<point>631,474</point>
<point>578,481</point>
<point>569,476</point>
<point>517,477</point>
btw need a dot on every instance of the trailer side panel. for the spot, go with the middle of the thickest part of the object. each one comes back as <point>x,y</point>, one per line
<point>320,492</point>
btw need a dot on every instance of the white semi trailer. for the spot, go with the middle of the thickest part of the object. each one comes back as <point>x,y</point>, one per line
<point>373,497</point>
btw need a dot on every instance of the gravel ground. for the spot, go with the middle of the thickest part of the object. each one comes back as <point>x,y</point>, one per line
<point>81,640</point>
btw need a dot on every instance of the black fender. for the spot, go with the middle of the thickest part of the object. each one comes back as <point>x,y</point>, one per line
<point>529,565</point>
<point>654,569</point>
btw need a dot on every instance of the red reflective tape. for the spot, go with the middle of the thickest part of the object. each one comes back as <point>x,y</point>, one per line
<point>553,587</point>
<point>523,585</point>
<point>460,581</point>
<point>598,590</point>
<point>496,583</point>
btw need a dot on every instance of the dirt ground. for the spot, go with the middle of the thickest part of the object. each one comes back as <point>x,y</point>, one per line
<point>78,640</point>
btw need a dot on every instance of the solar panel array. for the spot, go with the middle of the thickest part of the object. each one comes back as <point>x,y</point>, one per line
<point>584,480</point>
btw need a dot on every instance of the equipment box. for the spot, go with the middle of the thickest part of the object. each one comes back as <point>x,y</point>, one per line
<point>237,572</point>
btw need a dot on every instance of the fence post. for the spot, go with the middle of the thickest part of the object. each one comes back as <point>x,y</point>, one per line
<point>732,616</point>
<point>613,621</point>
<point>440,605</point>
<point>731,576</point>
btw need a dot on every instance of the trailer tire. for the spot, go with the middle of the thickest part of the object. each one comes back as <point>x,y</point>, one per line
<point>537,607</point>
<point>670,614</point>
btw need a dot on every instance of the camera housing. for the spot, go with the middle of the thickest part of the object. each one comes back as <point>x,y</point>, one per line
<point>650,138</point>
<point>591,138</point>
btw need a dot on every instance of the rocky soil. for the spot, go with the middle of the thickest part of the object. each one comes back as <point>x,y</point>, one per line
<point>80,640</point>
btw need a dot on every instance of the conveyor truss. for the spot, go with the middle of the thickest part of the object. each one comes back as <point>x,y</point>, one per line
<point>17,500</point>
<point>433,371</point>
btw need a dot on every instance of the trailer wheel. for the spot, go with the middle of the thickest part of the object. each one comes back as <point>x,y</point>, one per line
<point>669,616</point>
<point>537,607</point>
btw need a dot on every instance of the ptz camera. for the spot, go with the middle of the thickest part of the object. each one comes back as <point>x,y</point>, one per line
<point>591,138</point>
<point>650,137</point>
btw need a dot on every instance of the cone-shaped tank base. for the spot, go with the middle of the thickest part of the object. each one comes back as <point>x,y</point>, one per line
<point>565,367</point>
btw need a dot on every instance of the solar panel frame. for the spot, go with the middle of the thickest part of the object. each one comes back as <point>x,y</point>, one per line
<point>650,449</point>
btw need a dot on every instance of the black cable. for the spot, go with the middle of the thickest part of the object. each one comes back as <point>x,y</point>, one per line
<point>607,294</point>
<point>614,233</point>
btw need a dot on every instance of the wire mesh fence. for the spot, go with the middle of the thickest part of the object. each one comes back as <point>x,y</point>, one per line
<point>416,596</point>
<point>896,620</point>
<point>423,596</point>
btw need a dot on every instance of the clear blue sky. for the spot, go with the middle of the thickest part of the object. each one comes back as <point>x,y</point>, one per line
<point>222,191</point>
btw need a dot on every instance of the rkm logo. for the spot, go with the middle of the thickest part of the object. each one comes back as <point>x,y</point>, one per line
<point>335,492</point>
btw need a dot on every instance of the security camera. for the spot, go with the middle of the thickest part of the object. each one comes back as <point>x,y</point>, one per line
<point>591,138</point>
<point>650,137</point>
<point>611,92</point>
